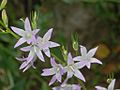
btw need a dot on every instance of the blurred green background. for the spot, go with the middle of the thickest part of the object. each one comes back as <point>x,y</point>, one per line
<point>96,22</point>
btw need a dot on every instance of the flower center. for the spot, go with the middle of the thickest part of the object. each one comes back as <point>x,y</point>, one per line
<point>29,35</point>
<point>57,69</point>
<point>71,68</point>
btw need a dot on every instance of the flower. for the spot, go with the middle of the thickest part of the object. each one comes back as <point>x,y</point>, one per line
<point>68,87</point>
<point>87,58</point>
<point>73,69</point>
<point>35,50</point>
<point>56,70</point>
<point>41,44</point>
<point>27,35</point>
<point>110,87</point>
<point>45,43</point>
<point>26,63</point>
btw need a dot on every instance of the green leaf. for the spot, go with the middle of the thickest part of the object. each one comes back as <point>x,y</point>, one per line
<point>3,4</point>
<point>44,86</point>
<point>19,85</point>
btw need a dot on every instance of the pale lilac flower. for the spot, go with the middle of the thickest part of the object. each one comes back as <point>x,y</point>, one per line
<point>110,87</point>
<point>73,69</point>
<point>68,87</point>
<point>34,52</point>
<point>26,63</point>
<point>27,35</point>
<point>56,70</point>
<point>36,47</point>
<point>87,58</point>
<point>45,43</point>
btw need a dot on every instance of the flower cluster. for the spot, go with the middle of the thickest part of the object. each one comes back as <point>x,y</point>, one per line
<point>37,45</point>
<point>72,68</point>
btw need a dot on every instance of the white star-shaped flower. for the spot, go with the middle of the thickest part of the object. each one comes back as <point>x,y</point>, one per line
<point>27,35</point>
<point>87,58</point>
<point>73,69</point>
<point>110,87</point>
<point>45,43</point>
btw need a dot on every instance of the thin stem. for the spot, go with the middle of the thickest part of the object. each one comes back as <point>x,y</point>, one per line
<point>82,84</point>
<point>8,30</point>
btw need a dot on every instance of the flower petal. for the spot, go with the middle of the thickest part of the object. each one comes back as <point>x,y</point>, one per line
<point>27,25</point>
<point>23,65</point>
<point>26,49</point>
<point>88,64</point>
<point>58,77</point>
<point>48,72</point>
<point>53,63</point>
<point>76,87</point>
<point>53,44</point>
<point>80,65</point>
<point>21,59</point>
<point>18,31</point>
<point>70,59</point>
<point>83,50</point>
<point>39,54</point>
<point>100,88</point>
<point>34,32</point>
<point>112,84</point>
<point>65,82</point>
<point>52,80</point>
<point>47,52</point>
<point>31,56</point>
<point>94,60</point>
<point>78,58</point>
<point>69,74</point>
<point>27,67</point>
<point>92,52</point>
<point>20,41</point>
<point>79,75</point>
<point>47,36</point>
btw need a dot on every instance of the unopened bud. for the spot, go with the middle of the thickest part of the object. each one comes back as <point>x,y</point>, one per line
<point>3,4</point>
<point>5,18</point>
<point>75,45</point>
<point>34,20</point>
<point>64,53</point>
<point>109,80</point>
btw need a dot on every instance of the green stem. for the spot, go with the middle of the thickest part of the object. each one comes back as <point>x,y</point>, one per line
<point>82,84</point>
<point>8,30</point>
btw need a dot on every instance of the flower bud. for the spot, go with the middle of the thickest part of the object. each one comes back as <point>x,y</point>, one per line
<point>75,45</point>
<point>3,4</point>
<point>109,80</point>
<point>64,53</point>
<point>34,20</point>
<point>4,17</point>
